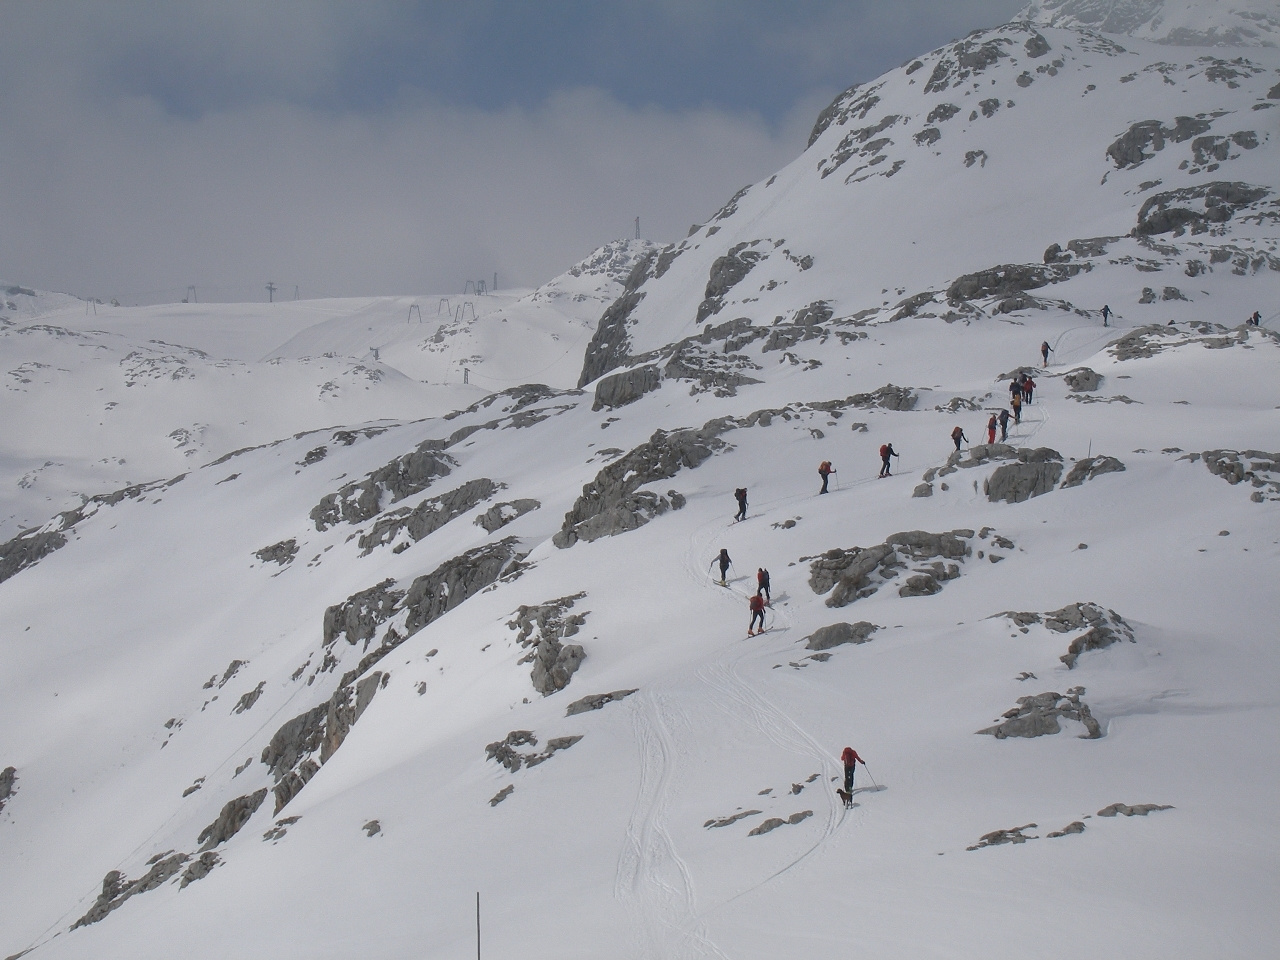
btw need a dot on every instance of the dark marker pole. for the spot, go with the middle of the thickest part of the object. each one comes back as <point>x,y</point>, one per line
<point>477,925</point>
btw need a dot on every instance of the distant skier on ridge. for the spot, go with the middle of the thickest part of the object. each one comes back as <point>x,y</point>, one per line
<point>886,451</point>
<point>958,435</point>
<point>1044,352</point>
<point>741,495</point>
<point>991,429</point>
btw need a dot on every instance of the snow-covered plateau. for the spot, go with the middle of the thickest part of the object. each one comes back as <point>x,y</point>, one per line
<point>320,618</point>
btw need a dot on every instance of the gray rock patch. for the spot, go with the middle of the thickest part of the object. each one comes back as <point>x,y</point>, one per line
<point>836,634</point>
<point>596,701</point>
<point>1038,716</point>
<point>281,553</point>
<point>1139,810</point>
<point>774,822</point>
<point>8,785</point>
<point>500,514</point>
<point>1089,468</point>
<point>998,837</point>
<point>233,816</point>
<point>428,516</point>
<point>726,821</point>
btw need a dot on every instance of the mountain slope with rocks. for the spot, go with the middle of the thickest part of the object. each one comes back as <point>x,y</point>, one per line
<point>312,695</point>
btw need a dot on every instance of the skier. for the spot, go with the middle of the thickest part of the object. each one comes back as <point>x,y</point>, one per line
<point>1015,386</point>
<point>1044,351</point>
<point>1016,403</point>
<point>850,759</point>
<point>724,562</point>
<point>1028,385</point>
<point>741,494</point>
<point>762,584</point>
<point>957,435</point>
<point>757,610</point>
<point>824,471</point>
<point>1106,314</point>
<point>1004,425</point>
<point>1256,319</point>
<point>886,451</point>
<point>991,429</point>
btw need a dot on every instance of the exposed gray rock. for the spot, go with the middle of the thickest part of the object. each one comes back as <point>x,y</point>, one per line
<point>1195,208</point>
<point>1139,810</point>
<point>8,785</point>
<point>1082,380</point>
<point>116,889</point>
<point>726,272</point>
<point>543,629</point>
<point>610,343</point>
<point>1036,472</point>
<point>1007,280</point>
<point>361,500</point>
<point>997,837</point>
<point>502,794</point>
<point>345,707</point>
<point>358,617</point>
<point>504,751</point>
<point>612,503</point>
<point>596,701</point>
<point>247,700</point>
<point>774,822</point>
<point>1091,467</point>
<point>233,816</point>
<point>734,818</point>
<point>619,389</point>
<point>428,516</point>
<point>372,828</point>
<point>1071,828</point>
<point>859,572</point>
<point>500,514</point>
<point>923,490</point>
<point>454,581</point>
<point>199,868</point>
<point>1260,468</point>
<point>1129,149</point>
<point>824,638</point>
<point>281,553</point>
<point>1038,715</point>
<point>288,755</point>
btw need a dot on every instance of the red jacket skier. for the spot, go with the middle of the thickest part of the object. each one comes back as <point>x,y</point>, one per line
<point>991,429</point>
<point>850,758</point>
<point>757,610</point>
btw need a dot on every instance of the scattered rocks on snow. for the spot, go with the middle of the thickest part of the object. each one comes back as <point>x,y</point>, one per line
<point>372,828</point>
<point>281,553</point>
<point>1195,208</point>
<point>1010,279</point>
<point>1036,472</point>
<point>116,889</point>
<point>233,816</point>
<point>860,571</point>
<point>504,751</point>
<point>280,828</point>
<point>502,794</point>
<point>997,837</point>
<point>1260,468</point>
<point>1038,716</point>
<point>1073,827</point>
<point>774,822</point>
<point>361,500</point>
<point>596,701</point>
<point>1141,810</point>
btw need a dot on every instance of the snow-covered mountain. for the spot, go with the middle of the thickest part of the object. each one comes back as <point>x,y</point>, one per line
<point>310,697</point>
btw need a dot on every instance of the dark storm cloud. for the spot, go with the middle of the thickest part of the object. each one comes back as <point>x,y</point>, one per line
<point>396,147</point>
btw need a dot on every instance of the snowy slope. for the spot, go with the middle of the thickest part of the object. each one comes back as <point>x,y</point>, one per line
<point>313,696</point>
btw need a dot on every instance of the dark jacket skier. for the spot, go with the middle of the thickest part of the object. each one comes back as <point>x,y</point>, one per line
<point>741,494</point>
<point>1106,314</point>
<point>724,562</point>
<point>958,435</point>
<point>762,584</point>
<point>824,471</point>
<point>1044,351</point>
<point>1004,425</point>
<point>886,451</point>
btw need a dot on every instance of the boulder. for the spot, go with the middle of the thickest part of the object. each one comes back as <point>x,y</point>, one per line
<point>1082,380</point>
<point>824,638</point>
<point>1089,468</point>
<point>619,389</point>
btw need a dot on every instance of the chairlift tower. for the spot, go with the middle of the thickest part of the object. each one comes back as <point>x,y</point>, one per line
<point>271,292</point>
<point>191,294</point>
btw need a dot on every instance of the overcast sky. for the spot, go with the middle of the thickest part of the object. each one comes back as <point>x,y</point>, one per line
<point>402,148</point>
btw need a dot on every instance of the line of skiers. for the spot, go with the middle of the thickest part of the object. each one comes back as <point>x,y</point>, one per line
<point>759,600</point>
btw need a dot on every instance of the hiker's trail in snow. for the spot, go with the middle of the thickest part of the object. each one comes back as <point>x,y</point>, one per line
<point>653,882</point>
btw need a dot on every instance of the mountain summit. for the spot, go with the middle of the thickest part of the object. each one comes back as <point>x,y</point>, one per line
<point>1205,23</point>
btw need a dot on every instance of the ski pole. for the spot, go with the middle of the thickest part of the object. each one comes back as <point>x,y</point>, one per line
<point>873,779</point>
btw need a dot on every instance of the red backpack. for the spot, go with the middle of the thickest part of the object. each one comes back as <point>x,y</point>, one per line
<point>884,449</point>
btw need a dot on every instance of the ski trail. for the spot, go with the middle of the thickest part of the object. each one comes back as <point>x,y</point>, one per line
<point>652,880</point>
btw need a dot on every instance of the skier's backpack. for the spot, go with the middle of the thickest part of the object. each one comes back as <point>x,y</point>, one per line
<point>884,450</point>
<point>824,467</point>
<point>741,493</point>
<point>957,433</point>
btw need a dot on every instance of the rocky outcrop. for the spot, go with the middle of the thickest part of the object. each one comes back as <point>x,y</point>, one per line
<point>610,343</point>
<point>733,818</point>
<point>1259,468</point>
<point>1082,380</point>
<point>8,785</point>
<point>1008,279</point>
<point>997,837</point>
<point>428,516</point>
<point>1038,716</point>
<point>438,592</point>
<point>116,889</point>
<point>1070,829</point>
<point>199,868</point>
<point>1102,627</point>
<point>859,572</point>
<point>1091,467</point>
<point>824,638</point>
<point>233,816</point>
<point>726,273</point>
<point>596,701</point>
<point>542,629</point>
<point>1130,149</point>
<point>1036,472</point>
<point>619,389</point>
<point>288,755</point>
<point>358,617</point>
<point>612,503</point>
<point>1195,208</point>
<point>281,553</point>
<point>500,514</point>
<point>361,500</point>
<point>773,823</point>
<point>1138,810</point>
